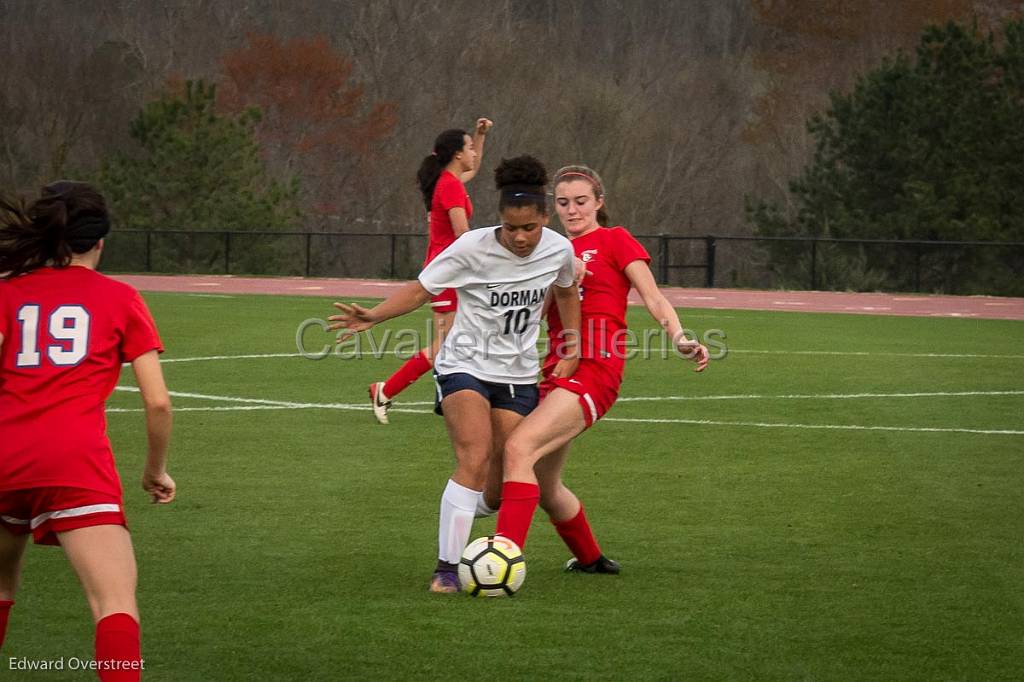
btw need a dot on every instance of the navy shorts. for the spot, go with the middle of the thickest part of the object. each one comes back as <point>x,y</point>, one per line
<point>520,398</point>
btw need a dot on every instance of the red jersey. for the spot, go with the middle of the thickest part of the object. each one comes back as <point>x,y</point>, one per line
<point>603,293</point>
<point>449,193</point>
<point>66,333</point>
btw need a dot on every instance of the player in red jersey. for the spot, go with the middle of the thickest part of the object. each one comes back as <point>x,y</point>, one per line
<point>536,451</point>
<point>486,370</point>
<point>454,161</point>
<point>65,331</point>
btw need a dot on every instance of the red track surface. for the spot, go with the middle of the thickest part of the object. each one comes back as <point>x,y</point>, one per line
<point>982,307</point>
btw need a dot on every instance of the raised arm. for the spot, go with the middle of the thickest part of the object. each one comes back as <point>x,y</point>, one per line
<point>157,402</point>
<point>661,310</point>
<point>483,126</point>
<point>355,318</point>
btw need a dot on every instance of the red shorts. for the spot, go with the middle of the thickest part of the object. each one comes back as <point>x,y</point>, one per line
<point>44,512</point>
<point>595,384</point>
<point>445,302</point>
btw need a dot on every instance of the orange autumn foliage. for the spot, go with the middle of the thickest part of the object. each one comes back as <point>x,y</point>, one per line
<point>316,119</point>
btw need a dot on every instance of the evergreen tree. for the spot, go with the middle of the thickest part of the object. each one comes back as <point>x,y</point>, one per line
<point>196,170</point>
<point>930,148</point>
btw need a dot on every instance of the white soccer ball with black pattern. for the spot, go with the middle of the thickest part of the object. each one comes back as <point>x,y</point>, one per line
<point>492,566</point>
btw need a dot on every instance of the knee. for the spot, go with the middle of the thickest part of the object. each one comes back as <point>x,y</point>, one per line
<point>517,451</point>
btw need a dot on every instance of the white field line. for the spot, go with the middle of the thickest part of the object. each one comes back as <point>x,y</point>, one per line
<point>231,357</point>
<point>819,396</point>
<point>873,353</point>
<point>831,427</point>
<point>263,404</point>
<point>752,396</point>
<point>350,355</point>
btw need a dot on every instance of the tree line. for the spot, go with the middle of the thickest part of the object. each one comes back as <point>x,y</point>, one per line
<point>317,114</point>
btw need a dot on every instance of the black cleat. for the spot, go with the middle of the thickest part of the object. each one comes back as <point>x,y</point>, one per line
<point>602,565</point>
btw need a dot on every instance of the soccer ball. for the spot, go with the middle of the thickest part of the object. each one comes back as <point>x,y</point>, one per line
<point>492,566</point>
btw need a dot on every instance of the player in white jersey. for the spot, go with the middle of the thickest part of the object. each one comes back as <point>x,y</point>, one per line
<point>486,370</point>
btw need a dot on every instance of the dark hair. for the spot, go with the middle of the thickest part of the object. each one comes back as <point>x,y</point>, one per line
<point>68,218</point>
<point>446,146</point>
<point>570,173</point>
<point>521,182</point>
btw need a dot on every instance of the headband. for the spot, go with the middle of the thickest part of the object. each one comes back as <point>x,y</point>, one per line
<point>84,233</point>
<point>523,192</point>
<point>593,181</point>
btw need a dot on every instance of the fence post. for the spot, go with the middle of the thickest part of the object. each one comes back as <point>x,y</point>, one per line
<point>309,240</point>
<point>394,241</point>
<point>709,253</point>
<point>227,253</point>
<point>663,258</point>
<point>917,268</point>
<point>149,251</point>
<point>814,263</point>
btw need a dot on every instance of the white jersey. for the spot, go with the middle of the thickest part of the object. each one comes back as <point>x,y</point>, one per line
<point>501,297</point>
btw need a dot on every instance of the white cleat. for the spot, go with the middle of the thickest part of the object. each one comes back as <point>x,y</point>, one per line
<point>379,402</point>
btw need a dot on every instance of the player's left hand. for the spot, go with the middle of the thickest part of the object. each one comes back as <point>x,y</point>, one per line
<point>694,350</point>
<point>353,319</point>
<point>160,486</point>
<point>483,126</point>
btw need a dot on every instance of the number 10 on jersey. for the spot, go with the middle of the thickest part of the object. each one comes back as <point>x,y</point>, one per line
<point>516,321</point>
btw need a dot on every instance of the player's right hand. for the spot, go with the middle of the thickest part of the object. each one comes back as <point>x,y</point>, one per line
<point>581,272</point>
<point>694,350</point>
<point>354,318</point>
<point>160,486</point>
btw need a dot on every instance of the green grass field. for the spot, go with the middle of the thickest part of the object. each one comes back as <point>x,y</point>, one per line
<point>303,538</point>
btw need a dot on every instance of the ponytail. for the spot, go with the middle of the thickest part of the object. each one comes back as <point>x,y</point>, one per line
<point>69,218</point>
<point>446,146</point>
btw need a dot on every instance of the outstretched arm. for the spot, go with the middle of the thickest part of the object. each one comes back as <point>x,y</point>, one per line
<point>483,126</point>
<point>355,318</point>
<point>663,313</point>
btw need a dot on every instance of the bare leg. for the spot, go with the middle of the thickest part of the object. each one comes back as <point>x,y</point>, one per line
<point>560,503</point>
<point>467,414</point>
<point>104,560</point>
<point>503,422</point>
<point>556,421</point>
<point>12,549</point>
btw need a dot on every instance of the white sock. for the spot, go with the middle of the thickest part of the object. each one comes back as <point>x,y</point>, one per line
<point>483,509</point>
<point>458,505</point>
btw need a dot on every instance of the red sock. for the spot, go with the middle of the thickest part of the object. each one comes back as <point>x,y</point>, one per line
<point>578,537</point>
<point>411,370</point>
<point>118,652</point>
<point>518,502</point>
<point>5,611</point>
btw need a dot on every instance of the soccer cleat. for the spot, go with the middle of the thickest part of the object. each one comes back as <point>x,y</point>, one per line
<point>445,582</point>
<point>379,402</point>
<point>602,565</point>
